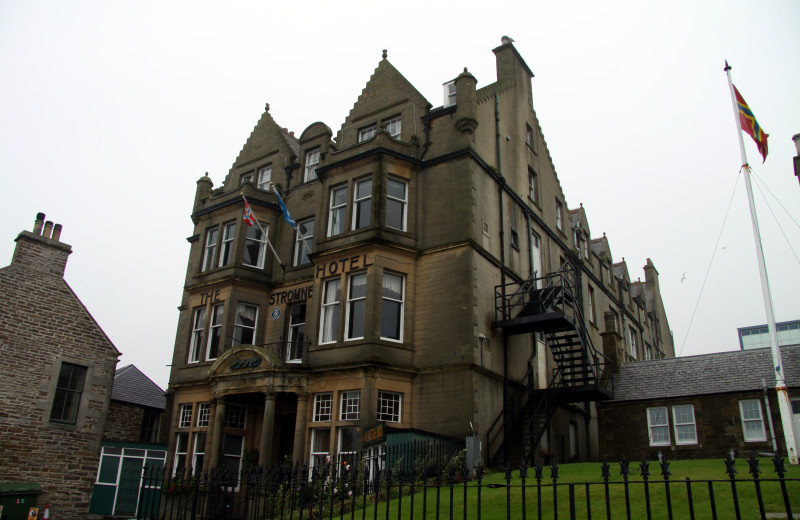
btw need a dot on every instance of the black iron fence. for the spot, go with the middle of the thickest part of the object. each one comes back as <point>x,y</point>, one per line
<point>443,487</point>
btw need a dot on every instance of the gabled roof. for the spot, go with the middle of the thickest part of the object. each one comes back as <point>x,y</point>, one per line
<point>724,372</point>
<point>132,386</point>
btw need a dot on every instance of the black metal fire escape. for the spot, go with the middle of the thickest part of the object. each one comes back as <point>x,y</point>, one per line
<point>548,305</point>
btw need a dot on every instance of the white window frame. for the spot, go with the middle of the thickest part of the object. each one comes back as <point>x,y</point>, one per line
<point>226,247</point>
<point>318,457</point>
<point>350,405</point>
<point>449,92</point>
<point>745,420</point>
<point>210,248</point>
<point>265,178</point>
<point>632,341</point>
<point>393,126</point>
<point>246,177</point>
<point>651,426</point>
<point>323,407</point>
<point>559,215</point>
<point>388,299</point>
<point>533,186</point>
<point>185,416</point>
<point>356,306</point>
<point>180,454</point>
<point>592,314</point>
<point>262,244</point>
<point>215,330</point>
<point>337,212</point>
<point>303,243</point>
<point>359,201</point>
<point>198,450</point>
<point>203,414</point>
<point>403,203</point>
<point>390,406</point>
<point>367,133</point>
<point>528,135</point>
<point>240,326</point>
<point>346,454</point>
<point>312,161</point>
<point>196,341</point>
<point>329,314</point>
<point>683,426</point>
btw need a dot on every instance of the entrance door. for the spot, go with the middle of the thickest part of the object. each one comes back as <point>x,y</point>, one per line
<point>128,492</point>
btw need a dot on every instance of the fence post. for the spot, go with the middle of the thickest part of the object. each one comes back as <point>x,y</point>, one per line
<point>730,468</point>
<point>780,469</point>
<point>754,470</point>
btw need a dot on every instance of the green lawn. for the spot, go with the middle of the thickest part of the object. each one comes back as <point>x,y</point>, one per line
<point>495,495</point>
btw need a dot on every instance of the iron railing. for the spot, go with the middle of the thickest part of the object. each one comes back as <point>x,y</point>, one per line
<point>446,489</point>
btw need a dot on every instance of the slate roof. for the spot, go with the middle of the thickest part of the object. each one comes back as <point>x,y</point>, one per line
<point>724,372</point>
<point>132,386</point>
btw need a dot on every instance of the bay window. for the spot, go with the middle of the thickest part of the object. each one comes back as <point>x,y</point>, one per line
<point>198,325</point>
<point>392,307</point>
<point>323,407</point>
<point>389,406</point>
<point>255,246</point>
<point>350,408</point>
<point>356,305</point>
<point>244,329</point>
<point>304,237</point>
<point>214,332</point>
<point>362,204</point>
<point>396,202</point>
<point>329,330</point>
<point>297,333</point>
<point>226,252</point>
<point>210,248</point>
<point>337,211</point>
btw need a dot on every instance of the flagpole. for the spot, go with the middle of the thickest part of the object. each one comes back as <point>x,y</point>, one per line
<point>784,404</point>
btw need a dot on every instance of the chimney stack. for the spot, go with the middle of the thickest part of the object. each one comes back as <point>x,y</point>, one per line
<point>41,250</point>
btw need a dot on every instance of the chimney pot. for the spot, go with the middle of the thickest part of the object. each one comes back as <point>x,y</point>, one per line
<point>796,139</point>
<point>37,226</point>
<point>57,232</point>
<point>48,229</point>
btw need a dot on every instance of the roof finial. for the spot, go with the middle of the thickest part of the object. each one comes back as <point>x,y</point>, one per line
<point>266,107</point>
<point>384,54</point>
<point>505,40</point>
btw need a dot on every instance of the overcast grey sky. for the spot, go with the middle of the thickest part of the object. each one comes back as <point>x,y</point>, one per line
<point>110,111</point>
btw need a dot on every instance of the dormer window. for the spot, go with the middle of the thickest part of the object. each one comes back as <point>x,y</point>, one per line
<point>264,178</point>
<point>393,127</point>
<point>367,133</point>
<point>312,160</point>
<point>449,93</point>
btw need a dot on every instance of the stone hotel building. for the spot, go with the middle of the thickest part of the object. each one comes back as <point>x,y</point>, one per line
<point>436,281</point>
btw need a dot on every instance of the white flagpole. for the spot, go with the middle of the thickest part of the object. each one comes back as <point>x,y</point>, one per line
<point>266,237</point>
<point>784,404</point>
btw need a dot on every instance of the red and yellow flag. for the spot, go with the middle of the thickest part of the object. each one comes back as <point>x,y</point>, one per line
<point>749,124</point>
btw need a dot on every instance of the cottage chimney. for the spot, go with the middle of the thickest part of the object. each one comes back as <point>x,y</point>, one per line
<point>41,250</point>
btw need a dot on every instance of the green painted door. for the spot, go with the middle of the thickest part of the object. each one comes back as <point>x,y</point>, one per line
<point>128,491</point>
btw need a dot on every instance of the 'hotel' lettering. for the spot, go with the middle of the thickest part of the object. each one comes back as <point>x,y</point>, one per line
<point>342,266</point>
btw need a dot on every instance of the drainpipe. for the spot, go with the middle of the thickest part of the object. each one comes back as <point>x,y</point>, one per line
<point>506,422</point>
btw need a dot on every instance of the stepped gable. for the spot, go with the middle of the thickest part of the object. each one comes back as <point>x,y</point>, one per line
<point>132,386</point>
<point>267,138</point>
<point>387,94</point>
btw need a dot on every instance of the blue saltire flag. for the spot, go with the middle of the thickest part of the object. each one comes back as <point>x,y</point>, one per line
<point>285,211</point>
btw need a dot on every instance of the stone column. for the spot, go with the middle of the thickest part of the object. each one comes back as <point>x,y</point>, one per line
<point>216,434</point>
<point>299,450</point>
<point>267,430</point>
